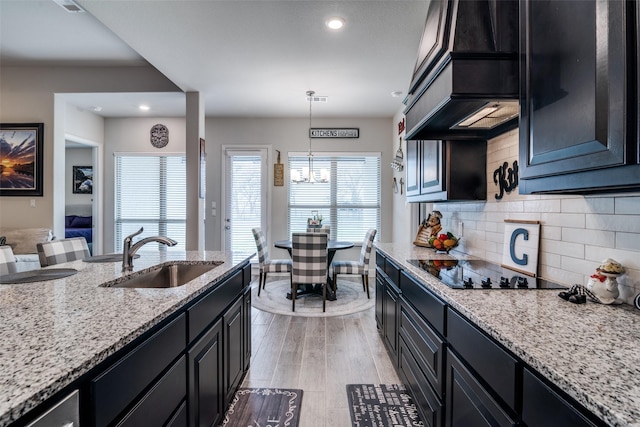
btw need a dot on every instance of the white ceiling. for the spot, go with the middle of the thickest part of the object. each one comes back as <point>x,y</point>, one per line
<point>246,58</point>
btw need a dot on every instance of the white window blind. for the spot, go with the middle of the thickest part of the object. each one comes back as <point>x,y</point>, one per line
<point>349,202</point>
<point>243,198</point>
<point>150,192</point>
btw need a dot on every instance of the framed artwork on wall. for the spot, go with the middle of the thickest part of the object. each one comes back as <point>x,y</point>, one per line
<point>21,159</point>
<point>83,179</point>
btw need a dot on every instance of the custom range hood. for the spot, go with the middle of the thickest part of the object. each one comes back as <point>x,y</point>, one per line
<point>466,80</point>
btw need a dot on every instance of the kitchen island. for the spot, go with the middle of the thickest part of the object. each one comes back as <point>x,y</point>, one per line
<point>56,332</point>
<point>587,351</point>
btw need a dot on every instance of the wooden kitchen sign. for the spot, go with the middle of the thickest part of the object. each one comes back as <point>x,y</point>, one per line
<point>520,250</point>
<point>278,173</point>
<point>334,133</point>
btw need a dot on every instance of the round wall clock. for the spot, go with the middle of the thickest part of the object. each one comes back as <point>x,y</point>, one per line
<point>159,135</point>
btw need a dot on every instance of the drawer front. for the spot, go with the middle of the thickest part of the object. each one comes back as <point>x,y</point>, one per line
<point>468,402</point>
<point>393,271</point>
<point>425,345</point>
<point>380,260</point>
<point>426,303</point>
<point>159,404</point>
<point>542,406</point>
<point>428,404</point>
<point>119,386</point>
<point>492,363</point>
<point>208,309</point>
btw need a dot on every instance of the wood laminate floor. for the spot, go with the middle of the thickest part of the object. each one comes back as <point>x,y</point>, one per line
<point>320,356</point>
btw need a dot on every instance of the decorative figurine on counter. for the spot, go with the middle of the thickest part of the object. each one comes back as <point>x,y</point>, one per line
<point>429,228</point>
<point>603,282</point>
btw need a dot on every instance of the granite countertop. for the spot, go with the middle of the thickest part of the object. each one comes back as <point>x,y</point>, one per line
<point>588,350</point>
<point>55,331</point>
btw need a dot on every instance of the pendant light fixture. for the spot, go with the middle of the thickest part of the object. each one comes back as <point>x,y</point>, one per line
<point>312,177</point>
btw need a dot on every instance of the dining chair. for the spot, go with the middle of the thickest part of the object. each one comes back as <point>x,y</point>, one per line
<point>265,264</point>
<point>7,260</point>
<point>63,250</point>
<point>360,267</point>
<point>309,255</point>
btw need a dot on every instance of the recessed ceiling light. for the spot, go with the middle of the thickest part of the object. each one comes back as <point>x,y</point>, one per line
<point>144,107</point>
<point>96,108</point>
<point>396,93</point>
<point>335,23</point>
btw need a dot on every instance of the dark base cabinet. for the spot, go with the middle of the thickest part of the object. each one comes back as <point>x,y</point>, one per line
<point>542,406</point>
<point>468,402</point>
<point>183,372</point>
<point>456,373</point>
<point>206,388</point>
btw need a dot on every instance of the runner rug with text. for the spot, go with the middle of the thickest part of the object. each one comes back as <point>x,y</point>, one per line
<point>381,405</point>
<point>263,407</point>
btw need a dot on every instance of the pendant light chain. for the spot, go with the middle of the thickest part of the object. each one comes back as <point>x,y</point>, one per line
<point>312,177</point>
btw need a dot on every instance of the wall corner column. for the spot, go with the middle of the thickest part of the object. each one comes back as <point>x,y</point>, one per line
<point>195,205</point>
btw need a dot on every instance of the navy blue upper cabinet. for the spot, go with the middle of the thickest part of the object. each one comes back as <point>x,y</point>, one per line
<point>578,96</point>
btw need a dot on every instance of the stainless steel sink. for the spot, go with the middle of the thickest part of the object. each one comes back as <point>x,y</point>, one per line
<point>37,275</point>
<point>166,276</point>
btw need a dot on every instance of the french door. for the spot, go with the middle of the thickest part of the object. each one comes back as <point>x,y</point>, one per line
<point>246,185</point>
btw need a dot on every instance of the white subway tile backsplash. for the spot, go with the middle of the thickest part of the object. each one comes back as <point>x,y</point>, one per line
<point>625,223</point>
<point>629,205</point>
<point>563,220</point>
<point>578,204</point>
<point>587,236</point>
<point>627,241</point>
<point>577,232</point>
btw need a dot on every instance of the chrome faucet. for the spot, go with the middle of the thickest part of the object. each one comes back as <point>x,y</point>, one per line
<point>129,250</point>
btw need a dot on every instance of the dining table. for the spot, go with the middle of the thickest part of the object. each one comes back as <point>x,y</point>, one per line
<point>332,247</point>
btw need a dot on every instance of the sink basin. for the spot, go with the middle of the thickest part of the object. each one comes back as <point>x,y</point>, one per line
<point>107,258</point>
<point>37,275</point>
<point>166,276</point>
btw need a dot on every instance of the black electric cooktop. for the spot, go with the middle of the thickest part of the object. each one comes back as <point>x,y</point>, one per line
<point>480,274</point>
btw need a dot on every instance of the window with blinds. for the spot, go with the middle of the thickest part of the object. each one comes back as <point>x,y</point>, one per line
<point>350,199</point>
<point>150,192</point>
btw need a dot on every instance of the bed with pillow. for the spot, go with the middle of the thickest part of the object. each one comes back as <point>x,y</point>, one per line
<point>78,222</point>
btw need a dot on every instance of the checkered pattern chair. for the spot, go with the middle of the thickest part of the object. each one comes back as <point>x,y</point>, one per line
<point>63,250</point>
<point>7,260</point>
<point>267,265</point>
<point>360,267</point>
<point>309,254</point>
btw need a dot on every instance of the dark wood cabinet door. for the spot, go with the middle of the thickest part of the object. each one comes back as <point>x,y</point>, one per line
<point>431,172</point>
<point>233,349</point>
<point>390,310</point>
<point>206,388</point>
<point>574,102</point>
<point>468,404</point>
<point>246,328</point>
<point>379,300</point>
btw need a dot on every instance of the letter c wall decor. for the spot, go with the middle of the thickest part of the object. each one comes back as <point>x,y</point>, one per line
<point>521,243</point>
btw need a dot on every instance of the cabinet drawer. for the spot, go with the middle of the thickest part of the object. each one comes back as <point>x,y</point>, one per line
<point>208,309</point>
<point>492,363</point>
<point>426,303</point>
<point>393,271</point>
<point>469,403</point>
<point>159,404</point>
<point>542,406</point>
<point>119,386</point>
<point>380,260</point>
<point>429,406</point>
<point>425,345</point>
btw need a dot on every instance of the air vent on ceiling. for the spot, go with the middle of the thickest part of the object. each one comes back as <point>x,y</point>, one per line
<point>70,6</point>
<point>317,98</point>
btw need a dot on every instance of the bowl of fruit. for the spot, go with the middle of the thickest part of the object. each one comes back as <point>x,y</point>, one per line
<point>444,242</point>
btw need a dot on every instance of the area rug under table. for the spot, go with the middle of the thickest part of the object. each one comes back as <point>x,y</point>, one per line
<point>381,405</point>
<point>350,298</point>
<point>264,407</point>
